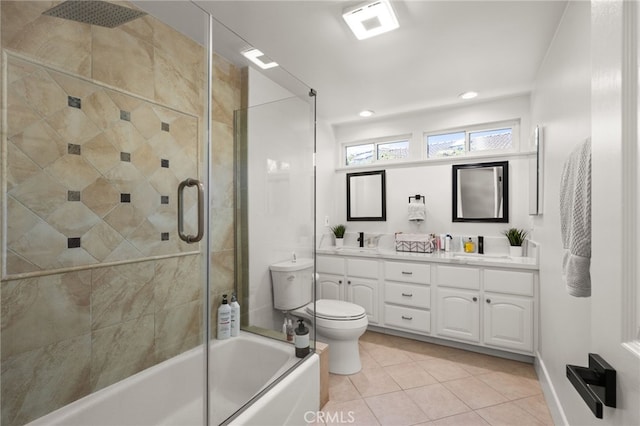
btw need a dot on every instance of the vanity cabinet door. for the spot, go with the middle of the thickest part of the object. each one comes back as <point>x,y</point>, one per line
<point>508,322</point>
<point>330,287</point>
<point>364,292</point>
<point>458,314</point>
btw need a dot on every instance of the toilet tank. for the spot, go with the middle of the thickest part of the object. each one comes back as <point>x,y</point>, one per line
<point>292,283</point>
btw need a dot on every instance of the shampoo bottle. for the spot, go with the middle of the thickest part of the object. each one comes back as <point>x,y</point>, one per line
<point>235,315</point>
<point>290,332</point>
<point>224,319</point>
<point>302,340</point>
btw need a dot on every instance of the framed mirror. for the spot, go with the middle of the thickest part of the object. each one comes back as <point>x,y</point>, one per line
<point>481,192</point>
<point>366,196</point>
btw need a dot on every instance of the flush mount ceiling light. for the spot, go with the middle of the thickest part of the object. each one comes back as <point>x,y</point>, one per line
<point>254,55</point>
<point>371,19</point>
<point>366,113</point>
<point>468,95</point>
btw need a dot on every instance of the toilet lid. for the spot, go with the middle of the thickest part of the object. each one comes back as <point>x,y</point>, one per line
<point>337,310</point>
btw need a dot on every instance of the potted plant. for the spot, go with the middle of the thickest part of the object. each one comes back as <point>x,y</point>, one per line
<point>338,232</point>
<point>516,238</point>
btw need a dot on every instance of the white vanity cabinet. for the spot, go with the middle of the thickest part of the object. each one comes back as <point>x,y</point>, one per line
<point>407,296</point>
<point>508,309</point>
<point>486,306</point>
<point>350,279</point>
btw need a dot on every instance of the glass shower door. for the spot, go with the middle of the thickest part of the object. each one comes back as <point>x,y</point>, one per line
<point>99,128</point>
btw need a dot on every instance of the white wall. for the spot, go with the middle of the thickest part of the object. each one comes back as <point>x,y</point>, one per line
<point>432,180</point>
<point>280,193</point>
<point>561,104</point>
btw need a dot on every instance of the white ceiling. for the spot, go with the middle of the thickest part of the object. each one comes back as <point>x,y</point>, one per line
<point>442,48</point>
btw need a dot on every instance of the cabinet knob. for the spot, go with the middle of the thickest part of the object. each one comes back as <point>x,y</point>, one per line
<point>349,282</point>
<point>475,299</point>
<point>488,300</point>
<point>339,281</point>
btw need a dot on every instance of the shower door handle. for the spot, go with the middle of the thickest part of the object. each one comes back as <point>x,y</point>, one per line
<point>190,238</point>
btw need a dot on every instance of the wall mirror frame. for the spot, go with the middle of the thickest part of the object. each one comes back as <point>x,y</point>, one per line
<point>480,192</point>
<point>536,173</point>
<point>366,196</point>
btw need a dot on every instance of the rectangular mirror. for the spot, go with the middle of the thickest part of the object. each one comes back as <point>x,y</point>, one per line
<point>366,196</point>
<point>481,192</point>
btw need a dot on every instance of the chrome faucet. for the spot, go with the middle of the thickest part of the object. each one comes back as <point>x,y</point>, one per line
<point>361,239</point>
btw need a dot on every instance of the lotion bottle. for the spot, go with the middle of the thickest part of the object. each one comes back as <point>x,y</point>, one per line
<point>224,319</point>
<point>235,316</point>
<point>302,340</point>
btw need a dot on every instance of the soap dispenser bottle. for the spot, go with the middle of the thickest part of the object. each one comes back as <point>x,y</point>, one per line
<point>235,316</point>
<point>469,246</point>
<point>302,340</point>
<point>224,319</point>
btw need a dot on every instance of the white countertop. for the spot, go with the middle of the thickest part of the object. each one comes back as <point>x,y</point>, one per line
<point>456,258</point>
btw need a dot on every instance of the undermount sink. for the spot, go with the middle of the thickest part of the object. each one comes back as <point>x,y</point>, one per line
<point>347,250</point>
<point>475,256</point>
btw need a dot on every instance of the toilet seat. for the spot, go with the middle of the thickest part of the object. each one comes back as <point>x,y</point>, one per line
<point>336,310</point>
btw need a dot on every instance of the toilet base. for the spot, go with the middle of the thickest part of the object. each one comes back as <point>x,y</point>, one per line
<point>344,355</point>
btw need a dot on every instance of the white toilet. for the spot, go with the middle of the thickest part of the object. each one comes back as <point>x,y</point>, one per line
<point>337,323</point>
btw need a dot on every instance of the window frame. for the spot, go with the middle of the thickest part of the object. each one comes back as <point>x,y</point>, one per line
<point>376,142</point>
<point>514,125</point>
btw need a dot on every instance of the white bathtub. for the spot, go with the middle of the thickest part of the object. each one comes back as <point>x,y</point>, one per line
<point>170,393</point>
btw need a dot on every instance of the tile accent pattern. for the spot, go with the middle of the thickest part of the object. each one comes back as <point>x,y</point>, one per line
<point>402,383</point>
<point>106,158</point>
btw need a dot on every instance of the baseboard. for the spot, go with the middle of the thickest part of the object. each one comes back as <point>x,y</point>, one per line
<point>549,392</point>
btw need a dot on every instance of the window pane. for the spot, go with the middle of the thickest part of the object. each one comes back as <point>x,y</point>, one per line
<point>490,140</point>
<point>359,154</point>
<point>393,150</point>
<point>446,145</point>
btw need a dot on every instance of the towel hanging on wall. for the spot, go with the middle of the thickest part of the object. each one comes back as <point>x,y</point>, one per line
<point>417,210</point>
<point>575,220</point>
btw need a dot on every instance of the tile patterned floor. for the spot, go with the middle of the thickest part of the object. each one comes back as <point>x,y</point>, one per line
<point>406,382</point>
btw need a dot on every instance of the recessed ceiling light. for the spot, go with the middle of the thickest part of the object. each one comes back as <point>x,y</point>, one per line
<point>370,19</point>
<point>254,55</point>
<point>468,95</point>
<point>366,113</point>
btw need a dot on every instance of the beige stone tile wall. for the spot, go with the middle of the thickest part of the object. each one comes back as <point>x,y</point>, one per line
<point>87,180</point>
<point>66,334</point>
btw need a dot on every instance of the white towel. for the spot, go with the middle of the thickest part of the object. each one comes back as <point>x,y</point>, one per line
<point>417,211</point>
<point>575,220</point>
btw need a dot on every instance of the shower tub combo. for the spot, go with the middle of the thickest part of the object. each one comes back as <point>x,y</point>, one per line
<point>170,393</point>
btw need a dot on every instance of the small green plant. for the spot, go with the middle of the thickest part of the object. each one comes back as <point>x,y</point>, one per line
<point>338,230</point>
<point>515,236</point>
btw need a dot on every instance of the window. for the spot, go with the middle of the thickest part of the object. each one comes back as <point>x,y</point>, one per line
<point>359,154</point>
<point>490,140</point>
<point>393,150</point>
<point>463,142</point>
<point>386,149</point>
<point>445,145</point>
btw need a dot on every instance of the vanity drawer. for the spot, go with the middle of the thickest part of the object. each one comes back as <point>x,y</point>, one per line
<point>511,282</point>
<point>364,268</point>
<point>454,276</point>
<point>408,272</point>
<point>409,318</point>
<point>330,265</point>
<point>407,294</point>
